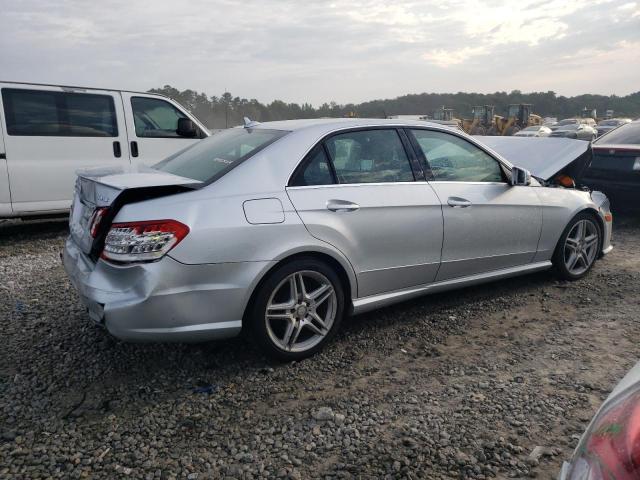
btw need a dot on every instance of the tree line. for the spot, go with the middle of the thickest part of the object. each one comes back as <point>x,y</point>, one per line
<point>227,110</point>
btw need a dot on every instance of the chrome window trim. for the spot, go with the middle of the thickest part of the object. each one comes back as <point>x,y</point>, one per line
<point>334,185</point>
<point>425,182</point>
<point>504,162</point>
<point>468,183</point>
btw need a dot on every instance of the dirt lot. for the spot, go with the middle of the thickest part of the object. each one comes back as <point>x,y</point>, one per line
<point>460,385</point>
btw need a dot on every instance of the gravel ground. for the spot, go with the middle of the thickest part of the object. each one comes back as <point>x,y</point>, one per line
<point>460,385</point>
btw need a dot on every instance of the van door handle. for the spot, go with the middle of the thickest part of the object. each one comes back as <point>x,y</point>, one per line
<point>134,149</point>
<point>458,202</point>
<point>117,151</point>
<point>342,206</point>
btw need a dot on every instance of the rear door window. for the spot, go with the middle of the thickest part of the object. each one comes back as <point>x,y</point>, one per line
<point>47,113</point>
<point>369,156</point>
<point>314,170</point>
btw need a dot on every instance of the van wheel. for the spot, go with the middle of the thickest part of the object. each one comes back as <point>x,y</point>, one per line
<point>297,310</point>
<point>577,249</point>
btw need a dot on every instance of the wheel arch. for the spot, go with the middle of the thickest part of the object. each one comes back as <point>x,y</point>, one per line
<point>595,214</point>
<point>600,221</point>
<point>341,266</point>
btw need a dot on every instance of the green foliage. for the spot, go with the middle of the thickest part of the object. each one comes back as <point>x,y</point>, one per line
<point>227,110</point>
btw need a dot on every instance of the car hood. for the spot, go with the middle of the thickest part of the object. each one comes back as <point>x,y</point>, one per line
<point>544,157</point>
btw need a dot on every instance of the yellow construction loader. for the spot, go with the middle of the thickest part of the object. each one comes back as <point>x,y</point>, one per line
<point>444,116</point>
<point>519,116</point>
<point>481,122</point>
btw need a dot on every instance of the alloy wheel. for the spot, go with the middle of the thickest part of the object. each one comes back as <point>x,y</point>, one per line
<point>301,311</point>
<point>581,247</point>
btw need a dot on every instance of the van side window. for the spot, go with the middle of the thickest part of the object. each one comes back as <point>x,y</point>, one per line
<point>59,114</point>
<point>156,118</point>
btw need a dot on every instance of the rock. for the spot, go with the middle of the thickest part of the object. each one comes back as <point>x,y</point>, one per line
<point>409,442</point>
<point>324,414</point>
<point>540,451</point>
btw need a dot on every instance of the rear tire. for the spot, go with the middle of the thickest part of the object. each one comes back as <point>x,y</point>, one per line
<point>297,309</point>
<point>578,247</point>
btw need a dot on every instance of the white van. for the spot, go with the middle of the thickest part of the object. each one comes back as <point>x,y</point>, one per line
<point>48,132</point>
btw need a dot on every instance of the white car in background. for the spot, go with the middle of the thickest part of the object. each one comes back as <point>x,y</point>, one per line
<point>48,132</point>
<point>535,131</point>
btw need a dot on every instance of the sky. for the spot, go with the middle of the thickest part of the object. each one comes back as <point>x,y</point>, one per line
<point>320,51</point>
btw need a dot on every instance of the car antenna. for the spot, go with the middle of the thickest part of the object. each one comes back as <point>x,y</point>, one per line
<point>248,123</point>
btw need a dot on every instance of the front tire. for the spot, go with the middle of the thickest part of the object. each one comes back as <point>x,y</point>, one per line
<point>578,247</point>
<point>297,309</point>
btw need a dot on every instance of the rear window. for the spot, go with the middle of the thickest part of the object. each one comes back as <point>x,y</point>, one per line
<point>60,114</point>
<point>212,157</point>
<point>627,134</point>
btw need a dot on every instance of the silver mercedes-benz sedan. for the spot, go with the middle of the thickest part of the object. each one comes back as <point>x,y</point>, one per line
<point>285,228</point>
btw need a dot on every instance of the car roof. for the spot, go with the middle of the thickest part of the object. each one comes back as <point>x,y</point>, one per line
<point>330,124</point>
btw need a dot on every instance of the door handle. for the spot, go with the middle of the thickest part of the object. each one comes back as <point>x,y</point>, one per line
<point>458,202</point>
<point>117,151</point>
<point>134,149</point>
<point>342,206</point>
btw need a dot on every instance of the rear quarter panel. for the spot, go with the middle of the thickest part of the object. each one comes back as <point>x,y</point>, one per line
<point>221,233</point>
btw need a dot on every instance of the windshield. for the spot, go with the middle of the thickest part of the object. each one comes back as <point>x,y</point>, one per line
<point>572,126</point>
<point>567,121</point>
<point>609,123</point>
<point>211,158</point>
<point>627,134</point>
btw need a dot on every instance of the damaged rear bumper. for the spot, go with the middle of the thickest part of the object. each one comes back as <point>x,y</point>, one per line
<point>164,300</point>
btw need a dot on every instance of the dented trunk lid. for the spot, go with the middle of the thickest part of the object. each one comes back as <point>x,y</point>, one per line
<point>110,189</point>
<point>544,157</point>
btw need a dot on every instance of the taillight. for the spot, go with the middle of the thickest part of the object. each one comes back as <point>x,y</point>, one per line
<point>96,218</point>
<point>142,241</point>
<point>611,447</point>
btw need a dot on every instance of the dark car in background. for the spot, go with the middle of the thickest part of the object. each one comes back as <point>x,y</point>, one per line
<point>605,126</point>
<point>615,168</point>
<point>580,131</point>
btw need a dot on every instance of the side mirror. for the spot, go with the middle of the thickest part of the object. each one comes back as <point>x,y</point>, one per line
<point>520,176</point>
<point>186,128</point>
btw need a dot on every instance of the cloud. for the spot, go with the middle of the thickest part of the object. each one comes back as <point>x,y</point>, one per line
<point>343,50</point>
<point>446,58</point>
